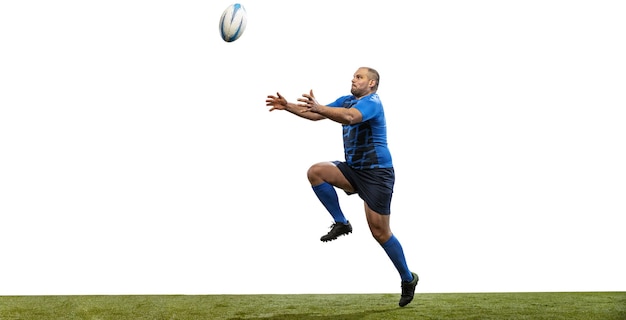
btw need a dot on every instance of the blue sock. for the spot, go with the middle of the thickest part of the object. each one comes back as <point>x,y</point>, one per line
<point>396,254</point>
<point>328,196</point>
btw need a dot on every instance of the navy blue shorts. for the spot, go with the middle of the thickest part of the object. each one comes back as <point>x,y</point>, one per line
<point>374,186</point>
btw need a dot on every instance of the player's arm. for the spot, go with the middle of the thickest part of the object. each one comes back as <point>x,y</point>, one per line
<point>341,115</point>
<point>278,102</point>
<point>301,111</point>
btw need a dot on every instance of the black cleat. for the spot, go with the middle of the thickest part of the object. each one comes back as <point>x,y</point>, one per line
<point>408,290</point>
<point>337,229</point>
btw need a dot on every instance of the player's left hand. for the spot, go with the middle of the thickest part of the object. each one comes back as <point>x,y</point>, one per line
<point>309,102</point>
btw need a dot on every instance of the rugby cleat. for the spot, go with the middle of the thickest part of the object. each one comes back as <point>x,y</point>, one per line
<point>336,230</point>
<point>408,290</point>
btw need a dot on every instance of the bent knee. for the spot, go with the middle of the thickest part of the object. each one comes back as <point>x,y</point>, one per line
<point>313,175</point>
<point>317,172</point>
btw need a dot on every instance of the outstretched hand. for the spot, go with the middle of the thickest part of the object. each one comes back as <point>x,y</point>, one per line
<point>309,102</point>
<point>277,102</point>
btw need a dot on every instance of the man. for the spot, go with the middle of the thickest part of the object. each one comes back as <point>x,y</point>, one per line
<point>367,169</point>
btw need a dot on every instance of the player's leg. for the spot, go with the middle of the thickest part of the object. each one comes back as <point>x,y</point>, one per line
<point>381,231</point>
<point>328,172</point>
<point>324,177</point>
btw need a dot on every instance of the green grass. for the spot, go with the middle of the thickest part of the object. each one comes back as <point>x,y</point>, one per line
<point>541,305</point>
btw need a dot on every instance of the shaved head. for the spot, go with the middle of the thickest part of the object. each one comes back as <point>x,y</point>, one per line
<point>372,74</point>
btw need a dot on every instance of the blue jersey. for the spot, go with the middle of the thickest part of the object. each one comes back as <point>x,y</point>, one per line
<point>365,143</point>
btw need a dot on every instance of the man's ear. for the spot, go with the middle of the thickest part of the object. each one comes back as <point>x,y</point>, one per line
<point>372,83</point>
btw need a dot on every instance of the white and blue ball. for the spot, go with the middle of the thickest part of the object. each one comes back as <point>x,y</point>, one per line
<point>233,22</point>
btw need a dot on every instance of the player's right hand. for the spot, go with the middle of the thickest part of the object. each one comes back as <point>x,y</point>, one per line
<point>277,102</point>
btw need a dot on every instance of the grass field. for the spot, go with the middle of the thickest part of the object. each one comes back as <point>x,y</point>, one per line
<point>545,305</point>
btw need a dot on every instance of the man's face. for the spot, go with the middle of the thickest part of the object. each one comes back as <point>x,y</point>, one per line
<point>361,84</point>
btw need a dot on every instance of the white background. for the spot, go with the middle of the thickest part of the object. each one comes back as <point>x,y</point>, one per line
<point>138,157</point>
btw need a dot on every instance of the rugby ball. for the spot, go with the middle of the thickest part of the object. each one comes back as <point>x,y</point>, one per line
<point>233,22</point>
